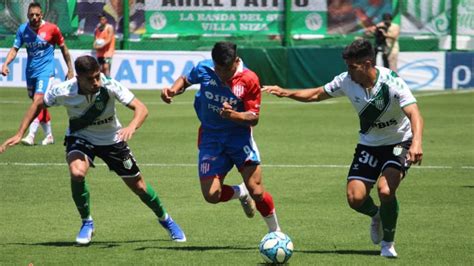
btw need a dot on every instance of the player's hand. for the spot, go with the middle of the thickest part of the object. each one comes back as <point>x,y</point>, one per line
<point>70,74</point>
<point>415,154</point>
<point>5,70</point>
<point>275,90</point>
<point>226,110</point>
<point>126,133</point>
<point>167,95</point>
<point>10,142</point>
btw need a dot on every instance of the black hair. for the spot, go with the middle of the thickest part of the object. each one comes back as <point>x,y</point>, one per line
<point>86,64</point>
<point>387,16</point>
<point>360,49</point>
<point>34,4</point>
<point>224,53</point>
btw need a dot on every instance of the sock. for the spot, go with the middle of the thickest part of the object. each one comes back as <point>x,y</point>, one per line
<point>151,199</point>
<point>81,197</point>
<point>368,207</point>
<point>265,206</point>
<point>34,127</point>
<point>272,222</point>
<point>47,128</point>
<point>389,215</point>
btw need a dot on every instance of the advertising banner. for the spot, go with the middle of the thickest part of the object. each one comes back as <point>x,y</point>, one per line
<point>233,17</point>
<point>309,17</point>
<point>422,71</point>
<point>425,17</point>
<point>465,17</point>
<point>134,69</point>
<point>459,70</point>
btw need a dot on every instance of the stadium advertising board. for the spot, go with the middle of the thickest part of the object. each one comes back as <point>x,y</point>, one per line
<point>236,17</point>
<point>459,70</point>
<point>422,71</point>
<point>135,69</point>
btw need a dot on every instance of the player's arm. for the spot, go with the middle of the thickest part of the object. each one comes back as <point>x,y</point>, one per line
<point>178,87</point>
<point>35,108</point>
<point>139,115</point>
<point>10,57</point>
<point>393,34</point>
<point>415,153</point>
<point>246,118</point>
<point>303,95</point>
<point>67,59</point>
<point>110,31</point>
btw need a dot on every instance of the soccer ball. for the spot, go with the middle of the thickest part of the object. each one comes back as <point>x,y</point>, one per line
<point>100,42</point>
<point>276,247</point>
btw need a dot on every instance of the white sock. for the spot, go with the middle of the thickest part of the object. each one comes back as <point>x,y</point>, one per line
<point>240,191</point>
<point>89,218</point>
<point>34,127</point>
<point>272,222</point>
<point>46,128</point>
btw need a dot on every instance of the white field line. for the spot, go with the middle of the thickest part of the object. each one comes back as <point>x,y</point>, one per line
<point>263,165</point>
<point>278,102</point>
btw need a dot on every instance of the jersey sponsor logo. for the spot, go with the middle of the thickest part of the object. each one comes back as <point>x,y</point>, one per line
<point>219,98</point>
<point>103,121</point>
<point>213,82</point>
<point>391,122</point>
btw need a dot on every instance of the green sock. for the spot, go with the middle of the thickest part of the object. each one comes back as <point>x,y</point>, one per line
<point>81,197</point>
<point>151,199</point>
<point>389,215</point>
<point>368,207</point>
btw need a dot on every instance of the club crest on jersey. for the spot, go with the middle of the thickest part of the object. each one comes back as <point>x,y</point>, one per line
<point>379,104</point>
<point>213,82</point>
<point>100,106</point>
<point>397,150</point>
<point>128,164</point>
<point>238,90</point>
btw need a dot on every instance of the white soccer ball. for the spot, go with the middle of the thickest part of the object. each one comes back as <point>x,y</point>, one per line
<point>99,42</point>
<point>276,247</point>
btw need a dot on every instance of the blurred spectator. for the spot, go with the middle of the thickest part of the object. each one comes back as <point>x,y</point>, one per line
<point>113,10</point>
<point>104,44</point>
<point>386,41</point>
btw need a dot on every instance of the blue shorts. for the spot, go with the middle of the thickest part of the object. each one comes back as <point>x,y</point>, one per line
<point>38,85</point>
<point>219,152</point>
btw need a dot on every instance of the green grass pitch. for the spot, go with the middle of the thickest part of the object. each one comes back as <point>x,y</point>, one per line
<point>305,149</point>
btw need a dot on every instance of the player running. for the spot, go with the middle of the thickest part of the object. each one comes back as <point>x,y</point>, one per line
<point>228,105</point>
<point>94,130</point>
<point>391,130</point>
<point>40,38</point>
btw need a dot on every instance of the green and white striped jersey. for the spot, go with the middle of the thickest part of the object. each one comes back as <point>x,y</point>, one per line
<point>382,120</point>
<point>103,128</point>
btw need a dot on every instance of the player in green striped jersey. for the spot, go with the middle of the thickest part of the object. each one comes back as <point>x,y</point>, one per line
<point>390,132</point>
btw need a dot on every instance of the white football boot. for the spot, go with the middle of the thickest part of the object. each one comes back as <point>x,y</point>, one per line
<point>388,249</point>
<point>28,140</point>
<point>48,140</point>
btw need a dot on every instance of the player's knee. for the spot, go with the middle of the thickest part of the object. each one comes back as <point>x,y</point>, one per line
<point>77,173</point>
<point>212,198</point>
<point>354,201</point>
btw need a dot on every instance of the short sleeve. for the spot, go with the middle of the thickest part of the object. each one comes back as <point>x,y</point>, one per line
<point>18,42</point>
<point>253,96</point>
<point>122,93</point>
<point>404,93</point>
<point>58,36</point>
<point>334,88</point>
<point>193,76</point>
<point>50,97</point>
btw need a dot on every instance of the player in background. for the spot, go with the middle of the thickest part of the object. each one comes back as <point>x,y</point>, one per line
<point>228,105</point>
<point>94,130</point>
<point>391,129</point>
<point>40,38</point>
<point>104,44</point>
